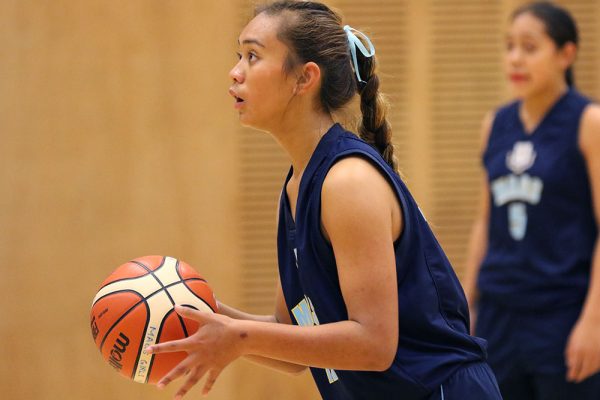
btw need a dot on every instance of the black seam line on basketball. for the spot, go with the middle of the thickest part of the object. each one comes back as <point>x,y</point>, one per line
<point>141,346</point>
<point>151,294</point>
<point>137,277</point>
<point>194,293</point>
<point>143,300</point>
<point>185,332</point>
<point>192,307</point>
<point>156,277</point>
<point>126,313</point>
<point>144,266</point>
<point>191,291</point>
<point>162,324</point>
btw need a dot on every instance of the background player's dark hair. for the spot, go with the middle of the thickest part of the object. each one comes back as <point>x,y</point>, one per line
<point>559,23</point>
<point>314,33</point>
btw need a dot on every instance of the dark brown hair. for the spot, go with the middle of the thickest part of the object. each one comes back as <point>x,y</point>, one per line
<point>314,33</point>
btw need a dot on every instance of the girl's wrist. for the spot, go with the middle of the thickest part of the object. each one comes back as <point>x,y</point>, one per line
<point>242,336</point>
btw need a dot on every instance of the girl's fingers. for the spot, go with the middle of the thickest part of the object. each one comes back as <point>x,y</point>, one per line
<point>181,369</point>
<point>196,374</point>
<point>191,313</point>
<point>210,381</point>
<point>574,366</point>
<point>169,347</point>
<point>589,366</point>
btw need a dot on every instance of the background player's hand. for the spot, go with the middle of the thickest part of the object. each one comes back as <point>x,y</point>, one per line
<point>210,349</point>
<point>582,354</point>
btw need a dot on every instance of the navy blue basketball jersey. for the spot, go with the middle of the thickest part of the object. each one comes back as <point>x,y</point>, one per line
<point>432,311</point>
<point>542,228</point>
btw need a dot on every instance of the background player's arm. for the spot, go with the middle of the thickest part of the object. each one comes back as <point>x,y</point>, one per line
<point>583,347</point>
<point>479,233</point>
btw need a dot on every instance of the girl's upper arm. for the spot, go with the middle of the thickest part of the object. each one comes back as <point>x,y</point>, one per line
<point>589,142</point>
<point>484,196</point>
<point>361,216</point>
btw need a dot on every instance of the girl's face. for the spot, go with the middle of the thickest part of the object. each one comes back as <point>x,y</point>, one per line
<point>261,89</point>
<point>532,60</point>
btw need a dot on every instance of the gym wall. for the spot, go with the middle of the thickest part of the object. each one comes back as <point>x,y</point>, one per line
<point>118,139</point>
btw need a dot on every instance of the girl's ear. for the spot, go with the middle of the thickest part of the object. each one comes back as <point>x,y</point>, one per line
<point>568,53</point>
<point>308,79</point>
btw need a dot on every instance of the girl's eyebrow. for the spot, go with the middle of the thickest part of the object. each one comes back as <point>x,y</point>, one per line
<point>252,41</point>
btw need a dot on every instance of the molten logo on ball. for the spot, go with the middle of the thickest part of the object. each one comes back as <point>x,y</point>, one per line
<point>116,354</point>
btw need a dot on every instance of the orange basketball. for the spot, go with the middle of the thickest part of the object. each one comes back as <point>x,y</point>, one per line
<point>134,308</point>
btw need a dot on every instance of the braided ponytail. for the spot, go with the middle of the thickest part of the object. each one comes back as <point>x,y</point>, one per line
<point>374,128</point>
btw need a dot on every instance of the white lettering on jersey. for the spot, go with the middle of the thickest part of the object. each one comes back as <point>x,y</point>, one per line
<point>523,188</point>
<point>517,188</point>
<point>305,315</point>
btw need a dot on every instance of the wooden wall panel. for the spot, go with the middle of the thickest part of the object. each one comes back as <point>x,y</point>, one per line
<point>467,82</point>
<point>117,141</point>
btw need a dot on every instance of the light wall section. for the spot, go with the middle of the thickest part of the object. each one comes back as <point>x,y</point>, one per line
<point>118,139</point>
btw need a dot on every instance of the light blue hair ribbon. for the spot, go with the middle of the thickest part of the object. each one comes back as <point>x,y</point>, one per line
<point>354,42</point>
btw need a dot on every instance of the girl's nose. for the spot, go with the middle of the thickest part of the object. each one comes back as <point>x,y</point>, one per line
<point>514,55</point>
<point>236,73</point>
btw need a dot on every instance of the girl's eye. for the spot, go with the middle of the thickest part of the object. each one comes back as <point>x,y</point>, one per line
<point>251,56</point>
<point>530,48</point>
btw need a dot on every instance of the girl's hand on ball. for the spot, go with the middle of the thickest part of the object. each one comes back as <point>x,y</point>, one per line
<point>210,349</point>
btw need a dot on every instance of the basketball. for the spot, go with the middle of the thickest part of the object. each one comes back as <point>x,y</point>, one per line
<point>134,308</point>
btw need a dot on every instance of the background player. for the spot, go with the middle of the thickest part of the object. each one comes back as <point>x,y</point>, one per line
<point>534,269</point>
<point>383,313</point>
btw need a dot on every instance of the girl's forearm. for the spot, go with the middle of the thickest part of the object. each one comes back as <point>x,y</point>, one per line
<point>278,365</point>
<point>281,366</point>
<point>344,345</point>
<point>591,308</point>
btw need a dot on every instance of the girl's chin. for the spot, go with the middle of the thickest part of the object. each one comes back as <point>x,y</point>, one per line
<point>519,90</point>
<point>249,123</point>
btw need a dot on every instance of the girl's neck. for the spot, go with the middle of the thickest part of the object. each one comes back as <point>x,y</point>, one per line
<point>300,137</point>
<point>535,107</point>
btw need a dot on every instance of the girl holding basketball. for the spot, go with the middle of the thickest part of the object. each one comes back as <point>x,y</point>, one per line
<point>534,263</point>
<point>366,297</point>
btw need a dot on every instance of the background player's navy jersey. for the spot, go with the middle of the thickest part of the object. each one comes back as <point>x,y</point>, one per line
<point>432,311</point>
<point>542,228</point>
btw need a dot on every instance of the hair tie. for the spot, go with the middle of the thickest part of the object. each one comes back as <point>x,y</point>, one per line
<point>354,42</point>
